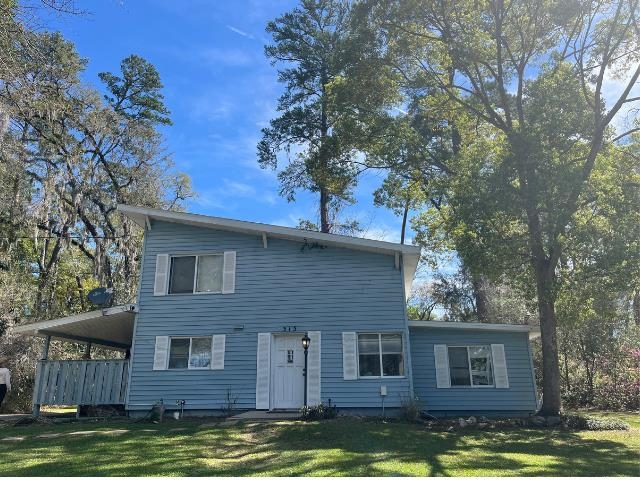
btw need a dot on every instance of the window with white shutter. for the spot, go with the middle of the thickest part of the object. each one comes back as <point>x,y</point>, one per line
<point>161,275</point>
<point>499,365</point>
<point>229,273</point>
<point>349,356</point>
<point>474,366</point>
<point>217,355</point>
<point>161,353</point>
<point>314,372</point>
<point>263,371</point>
<point>442,366</point>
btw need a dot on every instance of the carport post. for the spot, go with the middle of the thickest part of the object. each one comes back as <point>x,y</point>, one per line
<point>36,385</point>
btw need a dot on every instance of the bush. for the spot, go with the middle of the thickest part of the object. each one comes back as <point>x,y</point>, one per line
<point>410,409</point>
<point>581,422</point>
<point>318,412</point>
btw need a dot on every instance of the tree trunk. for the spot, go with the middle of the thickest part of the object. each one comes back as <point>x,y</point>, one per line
<point>480,298</point>
<point>551,404</point>
<point>325,226</point>
<point>404,222</point>
<point>567,378</point>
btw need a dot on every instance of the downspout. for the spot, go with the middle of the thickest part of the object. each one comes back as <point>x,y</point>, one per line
<point>135,321</point>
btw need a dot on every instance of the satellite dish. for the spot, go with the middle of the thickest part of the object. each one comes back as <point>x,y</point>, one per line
<point>100,296</point>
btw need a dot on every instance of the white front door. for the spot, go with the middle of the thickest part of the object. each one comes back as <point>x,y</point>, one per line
<point>287,362</point>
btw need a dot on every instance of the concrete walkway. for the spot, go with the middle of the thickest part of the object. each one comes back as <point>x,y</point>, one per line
<point>13,417</point>
<point>261,415</point>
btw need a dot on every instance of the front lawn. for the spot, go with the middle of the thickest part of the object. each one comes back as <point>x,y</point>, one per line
<point>338,447</point>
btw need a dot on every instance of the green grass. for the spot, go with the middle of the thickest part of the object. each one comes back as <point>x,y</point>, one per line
<point>330,448</point>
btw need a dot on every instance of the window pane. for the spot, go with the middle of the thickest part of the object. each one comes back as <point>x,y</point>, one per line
<point>392,364</point>
<point>200,352</point>
<point>391,343</point>
<point>459,376</point>
<point>368,343</point>
<point>182,270</point>
<point>209,273</point>
<point>179,353</point>
<point>369,365</point>
<point>479,352</point>
<point>458,357</point>
<point>459,366</point>
<point>479,364</point>
<point>480,359</point>
<point>482,379</point>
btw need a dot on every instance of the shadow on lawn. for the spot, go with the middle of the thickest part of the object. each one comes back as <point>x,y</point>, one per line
<point>374,449</point>
<point>340,447</point>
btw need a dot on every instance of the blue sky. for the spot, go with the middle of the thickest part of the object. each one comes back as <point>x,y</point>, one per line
<point>221,91</point>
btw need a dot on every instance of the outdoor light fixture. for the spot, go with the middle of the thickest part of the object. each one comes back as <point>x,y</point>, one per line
<point>306,341</point>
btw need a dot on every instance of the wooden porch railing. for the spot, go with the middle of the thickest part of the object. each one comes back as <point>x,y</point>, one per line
<point>81,382</point>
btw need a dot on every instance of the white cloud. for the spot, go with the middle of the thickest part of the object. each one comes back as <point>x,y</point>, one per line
<point>240,32</point>
<point>210,106</point>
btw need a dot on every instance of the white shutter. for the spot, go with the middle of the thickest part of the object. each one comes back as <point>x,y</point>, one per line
<point>162,275</point>
<point>217,353</point>
<point>161,354</point>
<point>441,356</point>
<point>349,356</point>
<point>229,273</point>
<point>500,376</point>
<point>313,374</point>
<point>263,371</point>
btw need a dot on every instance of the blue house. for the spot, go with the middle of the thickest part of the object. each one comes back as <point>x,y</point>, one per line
<point>222,307</point>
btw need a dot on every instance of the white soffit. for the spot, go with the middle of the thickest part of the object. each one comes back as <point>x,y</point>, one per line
<point>410,253</point>
<point>534,332</point>
<point>112,327</point>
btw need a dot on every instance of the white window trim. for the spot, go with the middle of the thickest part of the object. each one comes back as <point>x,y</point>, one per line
<point>471,385</point>
<point>378,377</point>
<point>189,367</point>
<point>195,272</point>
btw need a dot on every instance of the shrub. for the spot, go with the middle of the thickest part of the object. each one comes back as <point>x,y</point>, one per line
<point>583,422</point>
<point>318,412</point>
<point>410,409</point>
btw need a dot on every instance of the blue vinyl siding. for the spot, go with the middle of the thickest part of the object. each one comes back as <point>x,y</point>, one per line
<point>330,290</point>
<point>519,397</point>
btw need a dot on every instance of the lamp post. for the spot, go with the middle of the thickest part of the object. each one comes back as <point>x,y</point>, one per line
<point>306,341</point>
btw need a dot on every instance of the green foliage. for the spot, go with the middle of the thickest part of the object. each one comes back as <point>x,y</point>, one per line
<point>585,422</point>
<point>410,409</point>
<point>308,41</point>
<point>67,157</point>
<point>518,90</point>
<point>137,94</point>
<point>318,412</point>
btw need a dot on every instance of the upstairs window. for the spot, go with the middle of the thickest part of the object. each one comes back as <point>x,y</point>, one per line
<point>470,366</point>
<point>380,355</point>
<point>196,274</point>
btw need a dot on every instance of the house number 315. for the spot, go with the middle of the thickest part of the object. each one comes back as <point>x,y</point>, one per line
<point>289,328</point>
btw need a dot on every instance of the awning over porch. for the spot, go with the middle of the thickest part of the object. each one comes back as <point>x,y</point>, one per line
<point>111,327</point>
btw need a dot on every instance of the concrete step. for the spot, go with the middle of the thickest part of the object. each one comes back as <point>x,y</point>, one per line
<point>262,415</point>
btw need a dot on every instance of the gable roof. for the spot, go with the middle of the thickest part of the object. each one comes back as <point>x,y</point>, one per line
<point>409,254</point>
